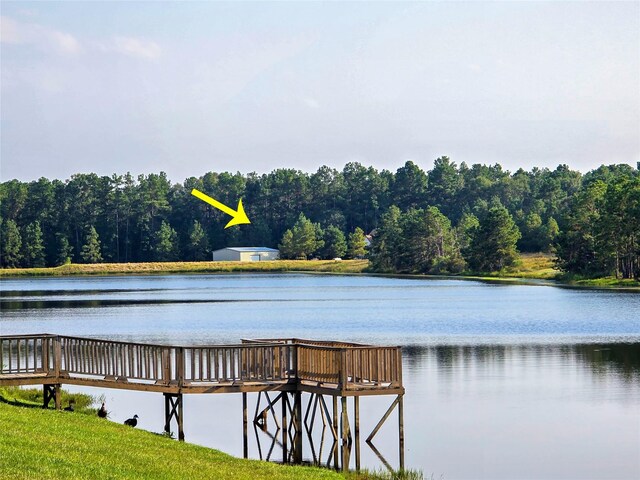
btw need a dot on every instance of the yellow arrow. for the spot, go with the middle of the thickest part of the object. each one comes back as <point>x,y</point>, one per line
<point>238,215</point>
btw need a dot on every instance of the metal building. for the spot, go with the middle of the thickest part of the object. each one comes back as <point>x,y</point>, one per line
<point>245,254</point>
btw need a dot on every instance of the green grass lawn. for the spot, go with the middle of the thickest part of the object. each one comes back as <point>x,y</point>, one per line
<point>48,444</point>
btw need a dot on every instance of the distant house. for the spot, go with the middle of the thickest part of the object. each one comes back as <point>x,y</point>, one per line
<point>245,254</point>
<point>367,240</point>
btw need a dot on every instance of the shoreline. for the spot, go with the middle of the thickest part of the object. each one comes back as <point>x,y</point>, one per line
<point>543,275</point>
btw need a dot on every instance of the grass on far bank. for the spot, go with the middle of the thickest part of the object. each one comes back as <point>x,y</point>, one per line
<point>50,444</point>
<point>529,266</point>
<point>342,266</point>
<point>542,266</point>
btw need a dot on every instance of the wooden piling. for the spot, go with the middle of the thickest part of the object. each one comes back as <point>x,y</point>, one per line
<point>297,409</point>
<point>356,421</point>
<point>285,429</point>
<point>345,434</point>
<point>401,431</point>
<point>245,444</point>
<point>334,422</point>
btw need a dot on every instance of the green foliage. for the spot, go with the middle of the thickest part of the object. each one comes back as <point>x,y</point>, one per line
<point>386,247</point>
<point>357,244</point>
<point>465,231</point>
<point>446,183</point>
<point>335,244</point>
<point>428,242</point>
<point>33,246</point>
<point>417,241</point>
<point>11,244</point>
<point>90,252</point>
<point>555,209</point>
<point>302,241</point>
<point>165,246</point>
<point>494,243</point>
<point>198,243</point>
<point>63,256</point>
<point>577,249</point>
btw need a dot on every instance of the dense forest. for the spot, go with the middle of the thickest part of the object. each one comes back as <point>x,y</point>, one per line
<point>446,220</point>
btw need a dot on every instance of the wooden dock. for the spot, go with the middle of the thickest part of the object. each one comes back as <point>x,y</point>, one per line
<point>290,367</point>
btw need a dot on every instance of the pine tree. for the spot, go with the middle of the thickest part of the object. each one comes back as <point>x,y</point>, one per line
<point>198,243</point>
<point>33,246</point>
<point>386,244</point>
<point>357,244</point>
<point>335,244</point>
<point>11,244</point>
<point>90,252</point>
<point>302,241</point>
<point>287,247</point>
<point>428,243</point>
<point>64,250</point>
<point>494,244</point>
<point>165,243</point>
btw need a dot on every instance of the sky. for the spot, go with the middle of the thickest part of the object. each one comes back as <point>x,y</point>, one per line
<point>192,87</point>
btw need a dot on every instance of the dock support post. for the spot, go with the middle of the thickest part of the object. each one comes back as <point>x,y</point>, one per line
<point>334,422</point>
<point>297,413</point>
<point>356,415</point>
<point>285,428</point>
<point>180,418</point>
<point>51,392</point>
<point>345,434</point>
<point>167,413</point>
<point>173,408</point>
<point>245,445</point>
<point>401,431</point>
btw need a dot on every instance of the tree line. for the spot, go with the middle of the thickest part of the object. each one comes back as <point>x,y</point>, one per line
<point>448,219</point>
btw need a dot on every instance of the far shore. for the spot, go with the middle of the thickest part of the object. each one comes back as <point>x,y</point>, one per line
<point>532,268</point>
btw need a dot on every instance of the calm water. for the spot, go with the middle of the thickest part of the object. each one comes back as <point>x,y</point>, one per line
<point>503,381</point>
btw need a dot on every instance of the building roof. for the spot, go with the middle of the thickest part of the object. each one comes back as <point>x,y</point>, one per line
<point>248,249</point>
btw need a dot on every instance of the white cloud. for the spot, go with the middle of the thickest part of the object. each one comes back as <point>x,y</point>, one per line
<point>311,102</point>
<point>15,32</point>
<point>133,47</point>
<point>44,38</point>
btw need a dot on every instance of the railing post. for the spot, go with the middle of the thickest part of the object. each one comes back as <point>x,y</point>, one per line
<point>57,356</point>
<point>45,354</point>
<point>180,366</point>
<point>342,369</point>
<point>166,365</point>
<point>294,365</point>
<point>399,366</point>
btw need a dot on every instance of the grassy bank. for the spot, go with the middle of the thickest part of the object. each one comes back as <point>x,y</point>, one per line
<point>344,266</point>
<point>50,444</point>
<point>530,266</point>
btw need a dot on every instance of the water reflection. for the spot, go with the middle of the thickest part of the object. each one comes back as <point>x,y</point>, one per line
<point>603,359</point>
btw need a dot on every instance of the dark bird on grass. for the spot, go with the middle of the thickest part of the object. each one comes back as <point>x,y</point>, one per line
<point>132,422</point>
<point>70,407</point>
<point>102,412</point>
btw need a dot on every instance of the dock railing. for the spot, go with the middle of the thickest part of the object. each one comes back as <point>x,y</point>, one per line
<point>335,365</point>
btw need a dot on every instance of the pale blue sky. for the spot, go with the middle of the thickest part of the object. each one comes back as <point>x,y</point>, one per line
<point>192,87</point>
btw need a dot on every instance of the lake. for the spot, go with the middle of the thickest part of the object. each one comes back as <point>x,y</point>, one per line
<point>502,380</point>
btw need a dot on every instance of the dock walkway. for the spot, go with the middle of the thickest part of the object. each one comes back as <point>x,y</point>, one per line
<point>291,366</point>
